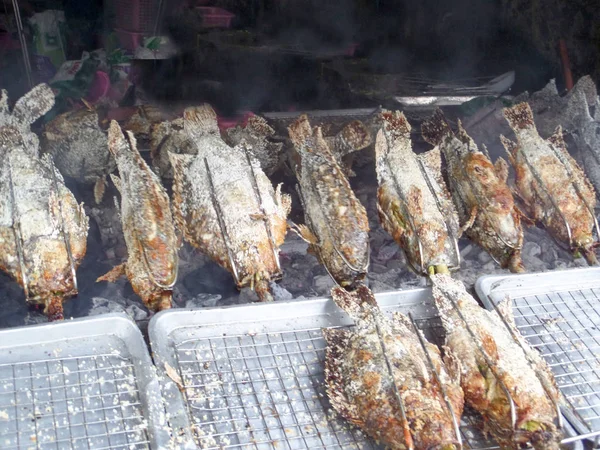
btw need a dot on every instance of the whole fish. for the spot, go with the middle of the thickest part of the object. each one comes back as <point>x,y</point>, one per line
<point>553,188</point>
<point>484,202</point>
<point>514,363</point>
<point>257,134</point>
<point>43,230</point>
<point>222,212</point>
<point>337,227</point>
<point>148,227</point>
<point>79,148</point>
<point>360,385</point>
<point>414,204</point>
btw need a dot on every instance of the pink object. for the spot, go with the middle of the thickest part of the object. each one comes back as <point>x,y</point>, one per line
<point>130,40</point>
<point>215,17</point>
<point>230,122</point>
<point>100,87</point>
<point>135,15</point>
<point>351,49</point>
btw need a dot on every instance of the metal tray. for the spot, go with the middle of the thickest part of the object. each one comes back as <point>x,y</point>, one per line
<point>559,315</point>
<point>252,376</point>
<point>85,383</point>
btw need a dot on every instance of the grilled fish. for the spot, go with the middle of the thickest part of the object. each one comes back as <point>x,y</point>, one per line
<point>535,409</point>
<point>554,189</point>
<point>43,231</point>
<point>169,137</point>
<point>413,202</point>
<point>359,383</point>
<point>256,135</point>
<point>483,200</point>
<point>79,148</point>
<point>148,226</point>
<point>337,225</point>
<point>254,224</point>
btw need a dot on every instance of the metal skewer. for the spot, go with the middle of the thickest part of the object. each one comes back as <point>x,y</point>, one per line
<point>16,227</point>
<point>219,213</point>
<point>439,205</point>
<point>262,209</point>
<point>63,229</point>
<point>438,380</point>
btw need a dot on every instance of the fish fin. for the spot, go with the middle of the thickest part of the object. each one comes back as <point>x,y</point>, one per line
<point>453,364</point>
<point>505,309</point>
<point>284,201</point>
<point>435,128</point>
<point>199,121</point>
<point>501,169</point>
<point>299,131</point>
<point>463,136</point>
<point>259,126</point>
<point>34,104</point>
<point>306,234</point>
<point>432,159</point>
<point>511,148</point>
<point>99,189</point>
<point>113,274</point>
<point>117,142</point>
<point>524,217</point>
<point>520,117</point>
<point>338,340</point>
<point>353,301</point>
<point>117,182</point>
<point>469,223</point>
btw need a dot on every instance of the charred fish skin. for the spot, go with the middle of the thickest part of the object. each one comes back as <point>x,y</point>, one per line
<point>472,178</point>
<point>148,226</point>
<point>337,224</point>
<point>405,198</point>
<point>44,218</point>
<point>535,411</point>
<point>360,387</point>
<point>253,248</point>
<point>553,187</point>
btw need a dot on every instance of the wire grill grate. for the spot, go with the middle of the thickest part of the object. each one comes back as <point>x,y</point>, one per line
<point>73,402</point>
<point>564,328</point>
<point>266,390</point>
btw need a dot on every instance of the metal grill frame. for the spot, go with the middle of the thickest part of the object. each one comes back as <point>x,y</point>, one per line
<point>213,353</point>
<point>84,383</point>
<point>555,313</point>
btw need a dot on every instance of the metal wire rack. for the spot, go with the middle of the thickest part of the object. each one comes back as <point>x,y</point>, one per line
<point>265,389</point>
<point>79,402</point>
<point>559,315</point>
<point>80,384</point>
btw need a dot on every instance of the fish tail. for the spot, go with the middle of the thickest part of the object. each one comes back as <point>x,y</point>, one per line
<point>201,120</point>
<point>520,117</point>
<point>395,124</point>
<point>353,302</point>
<point>355,135</point>
<point>34,104</point>
<point>436,128</point>
<point>117,143</point>
<point>300,131</point>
